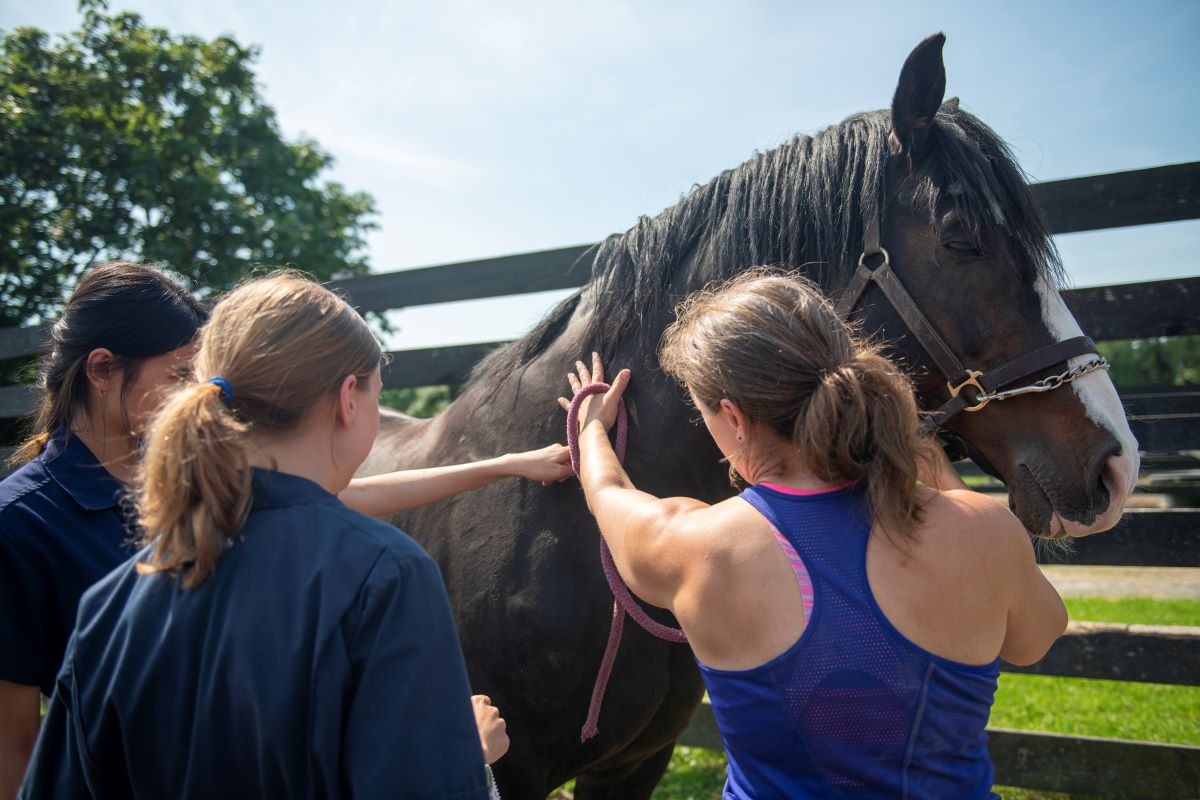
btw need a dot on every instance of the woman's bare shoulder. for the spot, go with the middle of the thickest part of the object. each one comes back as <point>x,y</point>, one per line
<point>975,523</point>
<point>728,528</point>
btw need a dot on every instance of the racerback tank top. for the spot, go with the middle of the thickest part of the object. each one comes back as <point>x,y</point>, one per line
<point>853,709</point>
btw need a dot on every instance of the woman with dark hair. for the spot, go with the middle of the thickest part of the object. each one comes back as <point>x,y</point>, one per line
<point>126,332</point>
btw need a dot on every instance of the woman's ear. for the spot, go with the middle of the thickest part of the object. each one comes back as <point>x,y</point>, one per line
<point>734,418</point>
<point>347,406</point>
<point>100,367</point>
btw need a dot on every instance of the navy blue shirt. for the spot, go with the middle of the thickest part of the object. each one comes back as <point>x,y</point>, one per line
<point>318,660</point>
<point>61,530</point>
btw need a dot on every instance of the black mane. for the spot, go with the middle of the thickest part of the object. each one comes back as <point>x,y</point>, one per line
<point>800,206</point>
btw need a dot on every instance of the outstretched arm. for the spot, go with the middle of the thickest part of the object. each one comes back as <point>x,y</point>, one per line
<point>394,492</point>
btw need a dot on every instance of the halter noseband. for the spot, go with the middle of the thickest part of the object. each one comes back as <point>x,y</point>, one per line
<point>984,386</point>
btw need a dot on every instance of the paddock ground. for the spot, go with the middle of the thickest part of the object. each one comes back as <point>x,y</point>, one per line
<point>1158,583</point>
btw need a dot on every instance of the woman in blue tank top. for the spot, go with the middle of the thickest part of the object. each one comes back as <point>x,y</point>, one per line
<point>848,620</point>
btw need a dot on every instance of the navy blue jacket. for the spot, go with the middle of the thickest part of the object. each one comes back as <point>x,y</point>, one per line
<point>61,530</point>
<point>318,660</point>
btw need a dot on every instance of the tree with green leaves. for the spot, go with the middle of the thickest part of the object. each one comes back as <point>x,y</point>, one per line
<point>1173,361</point>
<point>119,140</point>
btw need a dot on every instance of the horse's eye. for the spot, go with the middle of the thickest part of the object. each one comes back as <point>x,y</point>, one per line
<point>963,246</point>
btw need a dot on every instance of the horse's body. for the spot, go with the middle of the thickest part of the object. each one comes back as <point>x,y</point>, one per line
<point>520,561</point>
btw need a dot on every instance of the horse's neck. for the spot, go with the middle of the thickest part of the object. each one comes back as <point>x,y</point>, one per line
<point>400,444</point>
<point>519,412</point>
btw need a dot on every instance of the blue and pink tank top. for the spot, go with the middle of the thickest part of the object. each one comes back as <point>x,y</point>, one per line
<point>853,709</point>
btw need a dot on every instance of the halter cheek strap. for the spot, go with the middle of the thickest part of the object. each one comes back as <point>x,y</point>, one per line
<point>984,386</point>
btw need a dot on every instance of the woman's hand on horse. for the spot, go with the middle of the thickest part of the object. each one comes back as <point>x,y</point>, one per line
<point>602,408</point>
<point>493,735</point>
<point>548,465</point>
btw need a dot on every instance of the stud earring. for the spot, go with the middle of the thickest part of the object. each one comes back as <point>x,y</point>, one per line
<point>739,436</point>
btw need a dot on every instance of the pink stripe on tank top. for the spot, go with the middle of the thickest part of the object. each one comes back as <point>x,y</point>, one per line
<point>802,577</point>
<point>805,492</point>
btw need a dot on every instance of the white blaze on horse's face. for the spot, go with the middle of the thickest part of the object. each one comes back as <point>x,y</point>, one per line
<point>1103,407</point>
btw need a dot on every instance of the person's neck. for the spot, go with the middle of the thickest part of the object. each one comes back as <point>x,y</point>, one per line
<point>793,475</point>
<point>115,450</point>
<point>306,454</point>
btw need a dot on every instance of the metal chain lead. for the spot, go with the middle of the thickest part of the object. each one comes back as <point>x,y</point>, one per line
<point>1050,383</point>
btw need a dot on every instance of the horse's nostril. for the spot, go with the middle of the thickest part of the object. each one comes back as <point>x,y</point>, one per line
<point>1103,487</point>
<point>1111,481</point>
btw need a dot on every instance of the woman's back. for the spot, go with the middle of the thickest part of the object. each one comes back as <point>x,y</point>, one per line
<point>853,707</point>
<point>290,672</point>
<point>849,621</point>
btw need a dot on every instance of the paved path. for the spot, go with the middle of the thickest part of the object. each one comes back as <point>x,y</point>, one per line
<point>1157,582</point>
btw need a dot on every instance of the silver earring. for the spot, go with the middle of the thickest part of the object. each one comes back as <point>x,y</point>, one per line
<point>739,436</point>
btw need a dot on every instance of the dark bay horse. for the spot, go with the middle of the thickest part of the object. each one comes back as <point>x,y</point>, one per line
<point>520,561</point>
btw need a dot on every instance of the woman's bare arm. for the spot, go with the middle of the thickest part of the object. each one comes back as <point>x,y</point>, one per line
<point>394,492</point>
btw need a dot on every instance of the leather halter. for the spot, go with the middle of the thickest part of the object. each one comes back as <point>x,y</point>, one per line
<point>970,389</point>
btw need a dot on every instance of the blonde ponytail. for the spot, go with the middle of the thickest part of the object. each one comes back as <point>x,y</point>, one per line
<point>283,344</point>
<point>194,482</point>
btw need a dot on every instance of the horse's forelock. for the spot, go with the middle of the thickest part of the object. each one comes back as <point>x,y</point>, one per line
<point>976,171</point>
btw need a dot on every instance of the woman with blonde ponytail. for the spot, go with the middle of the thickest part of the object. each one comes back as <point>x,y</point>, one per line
<point>847,620</point>
<point>267,641</point>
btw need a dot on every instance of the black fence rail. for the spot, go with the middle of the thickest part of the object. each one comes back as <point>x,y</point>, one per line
<point>1165,419</point>
<point>1114,200</point>
<point>1085,765</point>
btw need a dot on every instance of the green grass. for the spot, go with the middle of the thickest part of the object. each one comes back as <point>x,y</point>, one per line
<point>1140,610</point>
<point>980,481</point>
<point>1059,705</point>
<point>1114,709</point>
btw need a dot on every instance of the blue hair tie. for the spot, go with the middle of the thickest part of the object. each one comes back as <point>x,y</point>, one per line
<point>226,390</point>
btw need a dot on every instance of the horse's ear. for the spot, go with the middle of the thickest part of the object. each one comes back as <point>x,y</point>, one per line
<point>950,106</point>
<point>918,96</point>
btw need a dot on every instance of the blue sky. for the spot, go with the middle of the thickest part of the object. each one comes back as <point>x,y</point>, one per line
<point>485,129</point>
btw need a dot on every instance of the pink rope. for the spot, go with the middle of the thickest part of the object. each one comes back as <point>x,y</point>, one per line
<point>623,602</point>
<point>590,726</point>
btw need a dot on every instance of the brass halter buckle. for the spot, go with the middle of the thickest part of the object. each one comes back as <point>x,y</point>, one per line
<point>981,395</point>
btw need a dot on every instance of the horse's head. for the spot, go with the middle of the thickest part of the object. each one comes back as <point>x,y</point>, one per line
<point>967,241</point>
<point>939,191</point>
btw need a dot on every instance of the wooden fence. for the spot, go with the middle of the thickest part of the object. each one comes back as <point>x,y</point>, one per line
<point>1165,419</point>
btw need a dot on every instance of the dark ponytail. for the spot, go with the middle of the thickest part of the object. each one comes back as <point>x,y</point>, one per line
<point>774,346</point>
<point>135,311</point>
<point>860,424</point>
